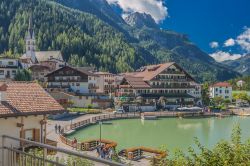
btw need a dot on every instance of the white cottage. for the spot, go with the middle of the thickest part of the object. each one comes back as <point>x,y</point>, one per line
<point>24,107</point>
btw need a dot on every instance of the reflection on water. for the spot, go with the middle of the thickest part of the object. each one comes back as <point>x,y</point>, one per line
<point>170,132</point>
<point>142,121</point>
<point>188,126</point>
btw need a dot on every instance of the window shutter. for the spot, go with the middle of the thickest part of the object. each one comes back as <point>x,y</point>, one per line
<point>37,135</point>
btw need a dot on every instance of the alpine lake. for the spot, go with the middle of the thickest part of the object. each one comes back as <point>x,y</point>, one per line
<point>170,133</point>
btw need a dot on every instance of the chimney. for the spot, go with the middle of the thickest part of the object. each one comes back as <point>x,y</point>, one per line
<point>3,88</point>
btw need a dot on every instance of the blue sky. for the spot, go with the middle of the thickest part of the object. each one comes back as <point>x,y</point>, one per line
<point>208,20</point>
<point>204,21</point>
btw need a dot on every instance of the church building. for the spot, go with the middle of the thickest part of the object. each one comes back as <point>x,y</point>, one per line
<point>52,60</point>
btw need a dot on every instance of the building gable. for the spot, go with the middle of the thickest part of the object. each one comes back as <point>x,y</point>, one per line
<point>68,71</point>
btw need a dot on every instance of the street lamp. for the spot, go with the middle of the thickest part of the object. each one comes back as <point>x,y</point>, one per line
<point>100,125</point>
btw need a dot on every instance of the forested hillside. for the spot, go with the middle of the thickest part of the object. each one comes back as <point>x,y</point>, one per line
<point>246,85</point>
<point>158,45</point>
<point>95,35</point>
<point>68,30</point>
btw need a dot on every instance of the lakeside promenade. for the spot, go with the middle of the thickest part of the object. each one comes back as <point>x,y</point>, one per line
<point>72,120</point>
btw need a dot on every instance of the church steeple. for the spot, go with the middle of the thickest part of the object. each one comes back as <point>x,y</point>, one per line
<point>30,40</point>
<point>30,29</point>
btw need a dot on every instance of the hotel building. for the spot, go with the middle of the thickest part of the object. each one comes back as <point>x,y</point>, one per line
<point>166,80</point>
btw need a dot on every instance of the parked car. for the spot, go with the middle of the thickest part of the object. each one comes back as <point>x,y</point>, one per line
<point>119,111</point>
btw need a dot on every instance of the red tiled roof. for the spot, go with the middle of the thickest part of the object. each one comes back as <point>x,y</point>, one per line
<point>27,98</point>
<point>221,84</point>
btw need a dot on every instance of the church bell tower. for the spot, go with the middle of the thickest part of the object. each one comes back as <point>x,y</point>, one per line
<point>30,41</point>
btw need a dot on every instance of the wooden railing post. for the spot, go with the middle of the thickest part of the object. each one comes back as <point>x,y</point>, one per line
<point>44,156</point>
<point>3,143</point>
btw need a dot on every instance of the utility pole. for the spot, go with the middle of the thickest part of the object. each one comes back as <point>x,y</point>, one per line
<point>100,125</point>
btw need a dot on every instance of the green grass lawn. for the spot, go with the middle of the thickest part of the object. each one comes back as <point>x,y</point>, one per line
<point>85,110</point>
<point>238,91</point>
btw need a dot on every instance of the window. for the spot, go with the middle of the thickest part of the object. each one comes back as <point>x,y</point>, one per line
<point>220,91</point>
<point>77,84</point>
<point>14,72</point>
<point>1,72</point>
<point>29,134</point>
<point>1,62</point>
<point>216,89</point>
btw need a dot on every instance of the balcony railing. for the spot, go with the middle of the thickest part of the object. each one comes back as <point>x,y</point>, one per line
<point>58,86</point>
<point>93,87</point>
<point>172,87</point>
<point>12,156</point>
<point>172,79</point>
<point>124,86</point>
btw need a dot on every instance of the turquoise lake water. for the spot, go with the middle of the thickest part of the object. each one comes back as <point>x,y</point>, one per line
<point>170,132</point>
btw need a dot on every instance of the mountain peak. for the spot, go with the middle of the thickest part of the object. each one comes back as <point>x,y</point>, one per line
<point>139,20</point>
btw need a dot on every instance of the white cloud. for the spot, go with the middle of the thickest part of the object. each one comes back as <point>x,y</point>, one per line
<point>230,42</point>
<point>214,44</point>
<point>221,56</point>
<point>155,8</point>
<point>244,40</point>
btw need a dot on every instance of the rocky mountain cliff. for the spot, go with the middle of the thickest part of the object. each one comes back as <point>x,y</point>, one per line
<point>241,65</point>
<point>139,20</point>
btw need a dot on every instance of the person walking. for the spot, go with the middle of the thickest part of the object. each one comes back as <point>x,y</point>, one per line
<point>98,151</point>
<point>110,153</point>
<point>59,129</point>
<point>74,143</point>
<point>56,128</point>
<point>102,152</point>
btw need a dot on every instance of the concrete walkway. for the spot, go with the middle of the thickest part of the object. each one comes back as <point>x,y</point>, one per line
<point>51,134</point>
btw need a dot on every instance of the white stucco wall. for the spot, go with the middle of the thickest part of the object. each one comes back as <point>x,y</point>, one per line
<point>9,127</point>
<point>83,87</point>
<point>81,101</point>
<point>221,91</point>
<point>5,71</point>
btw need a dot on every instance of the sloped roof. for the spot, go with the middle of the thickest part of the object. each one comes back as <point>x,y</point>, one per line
<point>149,72</point>
<point>87,70</point>
<point>103,73</point>
<point>27,98</point>
<point>46,55</point>
<point>38,67</point>
<point>221,84</point>
<point>136,82</point>
<point>79,69</point>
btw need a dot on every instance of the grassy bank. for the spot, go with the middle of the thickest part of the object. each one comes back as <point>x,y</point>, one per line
<point>85,110</point>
